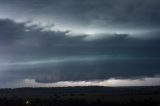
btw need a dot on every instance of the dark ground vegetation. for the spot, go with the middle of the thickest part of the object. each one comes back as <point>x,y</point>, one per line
<point>81,96</point>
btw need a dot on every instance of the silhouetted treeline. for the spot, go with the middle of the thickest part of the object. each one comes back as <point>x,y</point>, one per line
<point>43,92</point>
<point>73,102</point>
<point>81,96</point>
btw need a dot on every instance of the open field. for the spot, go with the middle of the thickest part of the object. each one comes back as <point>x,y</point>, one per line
<point>86,96</point>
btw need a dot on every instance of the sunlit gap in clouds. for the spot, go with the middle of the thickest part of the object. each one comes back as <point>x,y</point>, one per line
<point>90,32</point>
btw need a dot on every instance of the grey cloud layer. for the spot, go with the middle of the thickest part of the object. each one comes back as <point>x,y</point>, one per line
<point>124,14</point>
<point>110,57</point>
<point>30,52</point>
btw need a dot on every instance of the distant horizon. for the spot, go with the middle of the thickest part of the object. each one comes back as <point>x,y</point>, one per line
<point>80,87</point>
<point>113,82</point>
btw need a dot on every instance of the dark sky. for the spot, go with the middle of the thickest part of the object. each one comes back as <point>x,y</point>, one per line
<point>79,42</point>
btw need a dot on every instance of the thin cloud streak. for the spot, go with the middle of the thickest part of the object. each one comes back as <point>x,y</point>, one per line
<point>56,60</point>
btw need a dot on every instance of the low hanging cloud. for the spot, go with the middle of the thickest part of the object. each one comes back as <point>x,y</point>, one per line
<point>147,81</point>
<point>53,56</point>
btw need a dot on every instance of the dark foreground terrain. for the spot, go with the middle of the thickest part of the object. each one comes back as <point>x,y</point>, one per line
<point>81,96</point>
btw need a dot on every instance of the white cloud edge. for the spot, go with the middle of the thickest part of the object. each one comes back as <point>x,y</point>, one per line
<point>112,82</point>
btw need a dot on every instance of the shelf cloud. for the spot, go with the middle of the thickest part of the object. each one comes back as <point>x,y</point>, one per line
<point>79,42</point>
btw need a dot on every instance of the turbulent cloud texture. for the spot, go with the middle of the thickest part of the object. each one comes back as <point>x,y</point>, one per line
<point>55,41</point>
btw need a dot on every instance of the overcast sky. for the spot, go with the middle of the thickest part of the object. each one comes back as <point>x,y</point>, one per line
<point>47,43</point>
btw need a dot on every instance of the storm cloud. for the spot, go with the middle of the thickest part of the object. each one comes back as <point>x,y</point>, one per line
<point>50,56</point>
<point>78,40</point>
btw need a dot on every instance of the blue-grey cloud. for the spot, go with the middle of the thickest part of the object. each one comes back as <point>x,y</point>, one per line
<point>110,16</point>
<point>77,40</point>
<point>49,56</point>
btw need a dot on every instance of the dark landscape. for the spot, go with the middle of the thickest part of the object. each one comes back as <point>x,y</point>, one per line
<point>81,96</point>
<point>79,52</point>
